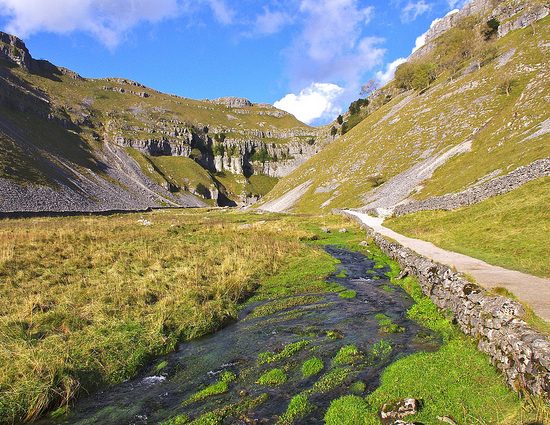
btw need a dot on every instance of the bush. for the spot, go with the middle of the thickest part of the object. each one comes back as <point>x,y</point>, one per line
<point>491,28</point>
<point>415,75</point>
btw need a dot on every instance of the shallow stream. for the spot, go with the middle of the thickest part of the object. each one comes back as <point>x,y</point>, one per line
<point>324,322</point>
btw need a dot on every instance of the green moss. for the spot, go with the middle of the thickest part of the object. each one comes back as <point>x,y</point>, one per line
<point>347,355</point>
<point>348,294</point>
<point>358,387</point>
<point>331,380</point>
<point>349,410</point>
<point>387,325</point>
<point>176,420</point>
<point>380,351</point>
<point>312,367</point>
<point>217,388</point>
<point>273,378</point>
<point>288,351</point>
<point>161,365</point>
<point>210,418</point>
<point>343,273</point>
<point>283,304</point>
<point>298,408</point>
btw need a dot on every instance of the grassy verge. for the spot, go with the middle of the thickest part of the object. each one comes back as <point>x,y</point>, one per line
<point>98,297</point>
<point>507,230</point>
<point>457,381</point>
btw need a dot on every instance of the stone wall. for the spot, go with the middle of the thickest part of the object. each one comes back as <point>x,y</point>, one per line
<point>495,322</point>
<point>478,193</point>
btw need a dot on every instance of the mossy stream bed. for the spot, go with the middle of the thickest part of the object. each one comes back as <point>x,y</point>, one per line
<point>283,361</point>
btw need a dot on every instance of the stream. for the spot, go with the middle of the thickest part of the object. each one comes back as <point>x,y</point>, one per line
<point>325,321</point>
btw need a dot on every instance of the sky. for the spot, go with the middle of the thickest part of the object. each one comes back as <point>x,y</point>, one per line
<point>309,57</point>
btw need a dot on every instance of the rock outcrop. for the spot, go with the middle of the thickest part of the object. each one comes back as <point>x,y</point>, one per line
<point>480,192</point>
<point>512,15</point>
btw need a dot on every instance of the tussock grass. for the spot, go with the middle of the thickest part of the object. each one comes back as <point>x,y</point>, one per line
<point>86,301</point>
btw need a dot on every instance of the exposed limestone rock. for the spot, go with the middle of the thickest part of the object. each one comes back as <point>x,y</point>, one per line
<point>233,102</point>
<point>480,192</point>
<point>512,15</point>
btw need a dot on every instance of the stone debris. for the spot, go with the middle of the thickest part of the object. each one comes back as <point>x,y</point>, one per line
<point>480,192</point>
<point>400,409</point>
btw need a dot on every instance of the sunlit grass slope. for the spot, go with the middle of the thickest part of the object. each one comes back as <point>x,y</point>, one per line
<point>510,230</point>
<point>504,130</point>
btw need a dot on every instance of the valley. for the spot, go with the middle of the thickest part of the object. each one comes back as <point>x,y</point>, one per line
<point>166,260</point>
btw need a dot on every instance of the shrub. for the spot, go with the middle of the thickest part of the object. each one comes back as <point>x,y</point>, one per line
<point>491,28</point>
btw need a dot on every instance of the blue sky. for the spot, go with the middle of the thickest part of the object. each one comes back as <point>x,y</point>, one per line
<point>307,56</point>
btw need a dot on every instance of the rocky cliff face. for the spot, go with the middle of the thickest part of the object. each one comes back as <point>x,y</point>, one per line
<point>146,128</point>
<point>512,15</point>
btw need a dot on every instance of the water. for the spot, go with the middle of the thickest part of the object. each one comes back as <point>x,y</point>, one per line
<point>156,396</point>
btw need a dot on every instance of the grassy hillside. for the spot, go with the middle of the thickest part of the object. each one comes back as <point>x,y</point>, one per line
<point>510,230</point>
<point>471,105</point>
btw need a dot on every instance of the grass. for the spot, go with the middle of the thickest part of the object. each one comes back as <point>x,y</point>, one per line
<point>402,132</point>
<point>287,352</point>
<point>93,309</point>
<point>456,381</point>
<point>312,367</point>
<point>273,378</point>
<point>509,230</point>
<point>349,410</point>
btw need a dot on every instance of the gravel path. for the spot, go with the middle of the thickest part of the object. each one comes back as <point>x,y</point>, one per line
<point>533,290</point>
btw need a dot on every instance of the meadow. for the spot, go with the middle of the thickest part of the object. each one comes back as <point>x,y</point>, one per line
<point>89,301</point>
<point>86,301</point>
<point>509,230</point>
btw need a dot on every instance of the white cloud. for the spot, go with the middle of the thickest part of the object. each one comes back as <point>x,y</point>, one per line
<point>271,22</point>
<point>222,12</point>
<point>385,76</point>
<point>332,46</point>
<point>107,20</point>
<point>457,4</point>
<point>312,103</point>
<point>413,10</point>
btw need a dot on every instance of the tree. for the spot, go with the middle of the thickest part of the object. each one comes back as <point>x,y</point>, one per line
<point>507,85</point>
<point>424,75</point>
<point>340,119</point>
<point>491,28</point>
<point>333,131</point>
<point>369,88</point>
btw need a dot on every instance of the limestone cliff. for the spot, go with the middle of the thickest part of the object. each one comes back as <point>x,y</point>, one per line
<point>88,144</point>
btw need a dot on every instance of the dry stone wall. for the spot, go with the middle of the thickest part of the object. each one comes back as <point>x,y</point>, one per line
<point>496,322</point>
<point>473,195</point>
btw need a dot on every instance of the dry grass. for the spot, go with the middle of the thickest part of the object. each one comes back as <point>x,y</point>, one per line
<point>86,301</point>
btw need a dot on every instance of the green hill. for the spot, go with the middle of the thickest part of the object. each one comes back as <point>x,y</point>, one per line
<point>472,106</point>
